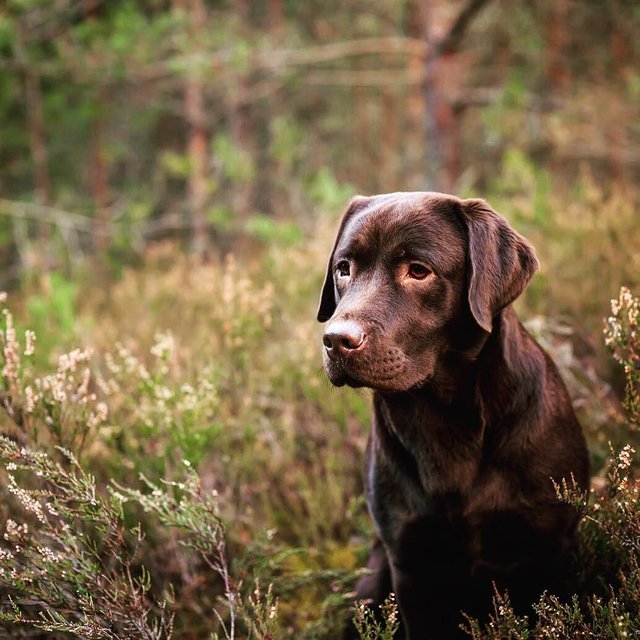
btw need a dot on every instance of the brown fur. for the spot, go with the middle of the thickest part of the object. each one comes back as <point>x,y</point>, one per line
<point>471,419</point>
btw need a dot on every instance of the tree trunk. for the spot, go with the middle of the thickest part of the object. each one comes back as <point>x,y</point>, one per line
<point>39,258</point>
<point>265,108</point>
<point>240,116</point>
<point>415,153</point>
<point>36,133</point>
<point>98,167</point>
<point>445,78</point>
<point>363,131</point>
<point>198,135</point>
<point>556,43</point>
<point>100,177</point>
<point>389,148</point>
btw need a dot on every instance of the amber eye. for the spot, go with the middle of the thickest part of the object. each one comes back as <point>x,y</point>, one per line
<point>418,271</point>
<point>343,268</point>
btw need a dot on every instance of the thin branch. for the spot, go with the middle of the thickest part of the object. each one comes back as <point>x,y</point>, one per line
<point>475,98</point>
<point>451,41</point>
<point>15,415</point>
<point>218,63</point>
<point>42,213</point>
<point>362,78</point>
<point>342,50</point>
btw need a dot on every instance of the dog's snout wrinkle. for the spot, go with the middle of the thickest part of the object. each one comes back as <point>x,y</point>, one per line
<point>343,337</point>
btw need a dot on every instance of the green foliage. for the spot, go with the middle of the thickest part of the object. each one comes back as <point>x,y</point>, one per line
<point>52,311</point>
<point>176,164</point>
<point>326,192</point>
<point>269,231</point>
<point>234,163</point>
<point>287,140</point>
<point>70,564</point>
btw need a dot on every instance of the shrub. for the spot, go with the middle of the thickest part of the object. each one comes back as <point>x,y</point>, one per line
<point>247,428</point>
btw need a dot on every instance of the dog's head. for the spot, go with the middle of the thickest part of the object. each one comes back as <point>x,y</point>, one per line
<point>413,276</point>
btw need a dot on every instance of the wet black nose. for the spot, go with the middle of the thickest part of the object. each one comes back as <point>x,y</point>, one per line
<point>342,338</point>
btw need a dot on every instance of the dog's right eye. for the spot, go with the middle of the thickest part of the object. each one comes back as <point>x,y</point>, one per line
<point>343,268</point>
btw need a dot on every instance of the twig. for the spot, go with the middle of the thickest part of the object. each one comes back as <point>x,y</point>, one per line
<point>43,213</point>
<point>451,41</point>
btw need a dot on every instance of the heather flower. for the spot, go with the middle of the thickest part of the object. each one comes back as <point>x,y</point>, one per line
<point>11,351</point>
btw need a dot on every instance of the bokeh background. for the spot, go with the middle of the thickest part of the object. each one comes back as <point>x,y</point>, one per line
<point>171,174</point>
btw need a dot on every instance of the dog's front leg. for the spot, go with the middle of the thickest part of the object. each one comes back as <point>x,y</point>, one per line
<point>374,587</point>
<point>427,605</point>
<point>430,577</point>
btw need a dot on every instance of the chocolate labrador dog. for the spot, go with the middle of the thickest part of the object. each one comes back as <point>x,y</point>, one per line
<point>472,423</point>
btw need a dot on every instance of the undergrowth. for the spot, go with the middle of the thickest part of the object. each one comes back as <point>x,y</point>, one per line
<point>204,481</point>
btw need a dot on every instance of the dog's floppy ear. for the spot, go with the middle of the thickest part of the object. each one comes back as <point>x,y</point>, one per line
<point>501,261</point>
<point>328,301</point>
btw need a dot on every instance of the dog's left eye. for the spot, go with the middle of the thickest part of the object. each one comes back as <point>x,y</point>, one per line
<point>343,268</point>
<point>418,271</point>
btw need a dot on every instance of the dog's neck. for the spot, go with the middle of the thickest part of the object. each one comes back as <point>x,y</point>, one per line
<point>469,395</point>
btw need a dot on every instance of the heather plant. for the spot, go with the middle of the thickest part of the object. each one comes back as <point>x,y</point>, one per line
<point>381,626</point>
<point>160,411</point>
<point>74,562</point>
<point>70,564</point>
<point>622,337</point>
<point>59,407</point>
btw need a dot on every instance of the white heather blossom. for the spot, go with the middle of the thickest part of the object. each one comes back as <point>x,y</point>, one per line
<point>98,416</point>
<point>30,342</point>
<point>624,457</point>
<point>48,554</point>
<point>84,384</point>
<point>29,400</point>
<point>164,345</point>
<point>11,351</point>
<point>70,361</point>
<point>5,554</point>
<point>26,500</point>
<point>14,531</point>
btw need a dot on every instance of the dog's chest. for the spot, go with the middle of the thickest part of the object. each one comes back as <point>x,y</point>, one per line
<point>422,474</point>
<point>426,450</point>
<point>401,496</point>
<point>415,524</point>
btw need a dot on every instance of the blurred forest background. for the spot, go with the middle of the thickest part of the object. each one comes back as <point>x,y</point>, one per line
<point>171,174</point>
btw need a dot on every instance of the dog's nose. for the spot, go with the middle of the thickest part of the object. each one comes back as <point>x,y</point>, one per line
<point>342,338</point>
